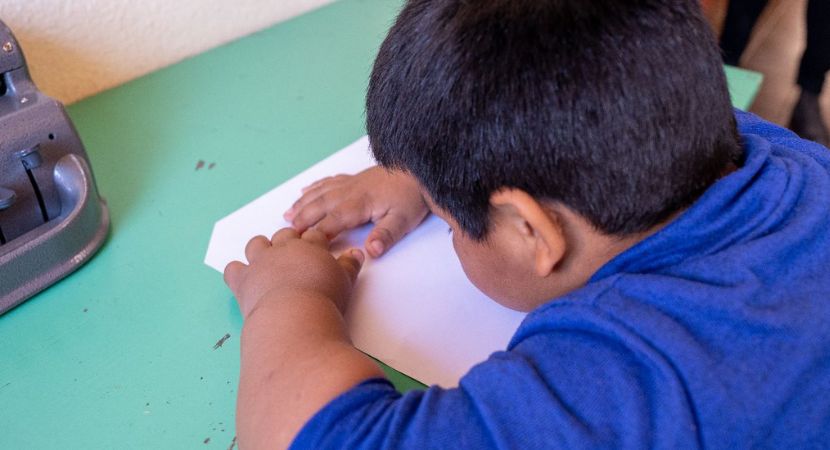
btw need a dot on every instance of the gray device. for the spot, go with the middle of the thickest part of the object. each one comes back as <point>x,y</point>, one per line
<point>52,219</point>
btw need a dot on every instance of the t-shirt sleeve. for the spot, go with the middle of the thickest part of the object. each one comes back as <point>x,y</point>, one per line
<point>568,389</point>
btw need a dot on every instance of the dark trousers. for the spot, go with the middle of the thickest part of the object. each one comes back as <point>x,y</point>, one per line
<point>815,62</point>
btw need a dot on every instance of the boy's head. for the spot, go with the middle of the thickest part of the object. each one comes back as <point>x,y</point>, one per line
<point>615,110</point>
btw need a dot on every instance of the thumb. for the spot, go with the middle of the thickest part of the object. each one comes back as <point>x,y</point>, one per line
<point>351,261</point>
<point>388,230</point>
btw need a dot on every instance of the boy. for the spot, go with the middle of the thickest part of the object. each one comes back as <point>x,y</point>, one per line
<point>587,160</point>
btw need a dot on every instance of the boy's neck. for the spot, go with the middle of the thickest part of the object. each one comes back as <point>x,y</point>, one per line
<point>591,250</point>
<point>607,247</point>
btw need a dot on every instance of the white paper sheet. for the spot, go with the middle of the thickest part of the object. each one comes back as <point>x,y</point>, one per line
<point>413,308</point>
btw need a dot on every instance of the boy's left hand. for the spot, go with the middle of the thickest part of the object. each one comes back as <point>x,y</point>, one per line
<point>292,266</point>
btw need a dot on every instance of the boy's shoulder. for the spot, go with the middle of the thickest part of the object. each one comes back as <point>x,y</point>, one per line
<point>717,299</point>
<point>750,124</point>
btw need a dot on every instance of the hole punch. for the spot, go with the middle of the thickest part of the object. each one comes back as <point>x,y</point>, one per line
<point>58,223</point>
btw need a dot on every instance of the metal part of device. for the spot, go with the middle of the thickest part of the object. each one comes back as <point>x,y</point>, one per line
<point>51,217</point>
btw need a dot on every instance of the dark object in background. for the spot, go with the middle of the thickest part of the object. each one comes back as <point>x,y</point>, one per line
<point>807,120</point>
<point>741,16</point>
<point>51,217</point>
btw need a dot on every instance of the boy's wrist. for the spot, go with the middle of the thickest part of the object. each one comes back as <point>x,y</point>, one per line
<point>297,314</point>
<point>273,301</point>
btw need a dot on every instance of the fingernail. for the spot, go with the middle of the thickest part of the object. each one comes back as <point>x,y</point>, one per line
<point>358,255</point>
<point>376,246</point>
<point>288,215</point>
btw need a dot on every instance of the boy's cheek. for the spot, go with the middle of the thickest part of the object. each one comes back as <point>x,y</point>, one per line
<point>475,261</point>
<point>497,273</point>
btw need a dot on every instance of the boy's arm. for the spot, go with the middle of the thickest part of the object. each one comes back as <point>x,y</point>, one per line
<point>391,200</point>
<point>296,356</point>
<point>568,381</point>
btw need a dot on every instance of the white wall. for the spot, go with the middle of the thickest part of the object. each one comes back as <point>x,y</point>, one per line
<point>76,48</point>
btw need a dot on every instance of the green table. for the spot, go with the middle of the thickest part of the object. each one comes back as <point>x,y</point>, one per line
<point>140,348</point>
<point>743,86</point>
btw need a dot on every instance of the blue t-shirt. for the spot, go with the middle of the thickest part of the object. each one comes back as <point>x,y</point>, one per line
<point>713,332</point>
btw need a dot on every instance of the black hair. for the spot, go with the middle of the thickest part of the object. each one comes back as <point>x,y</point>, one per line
<point>617,109</point>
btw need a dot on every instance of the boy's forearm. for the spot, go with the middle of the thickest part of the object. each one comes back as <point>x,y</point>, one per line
<point>296,357</point>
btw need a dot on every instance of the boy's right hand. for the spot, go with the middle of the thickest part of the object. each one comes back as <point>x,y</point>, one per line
<point>391,200</point>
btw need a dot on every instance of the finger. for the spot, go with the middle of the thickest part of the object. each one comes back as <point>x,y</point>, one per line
<point>283,235</point>
<point>255,247</point>
<point>309,214</point>
<point>388,230</point>
<point>309,195</point>
<point>344,217</point>
<point>351,261</point>
<point>316,237</point>
<point>318,183</point>
<point>233,274</point>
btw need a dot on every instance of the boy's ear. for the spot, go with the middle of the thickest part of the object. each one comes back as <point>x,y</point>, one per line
<point>539,227</point>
